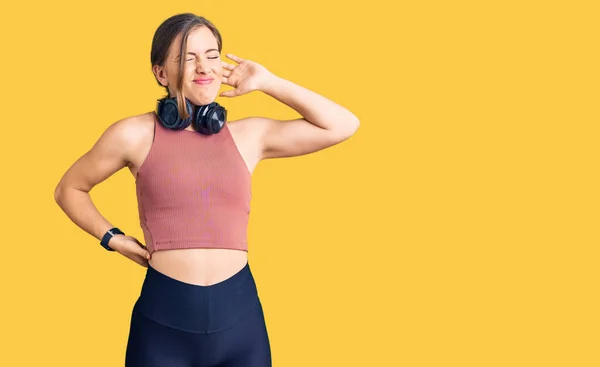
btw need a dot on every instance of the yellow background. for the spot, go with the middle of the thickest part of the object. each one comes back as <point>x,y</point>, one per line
<point>457,227</point>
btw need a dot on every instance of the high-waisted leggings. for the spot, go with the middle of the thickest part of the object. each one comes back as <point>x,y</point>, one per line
<point>178,324</point>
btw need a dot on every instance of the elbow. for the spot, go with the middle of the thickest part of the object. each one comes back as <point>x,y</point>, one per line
<point>350,127</point>
<point>57,195</point>
<point>345,133</point>
<point>355,124</point>
<point>341,130</point>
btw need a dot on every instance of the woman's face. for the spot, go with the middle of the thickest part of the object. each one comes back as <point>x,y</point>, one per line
<point>202,67</point>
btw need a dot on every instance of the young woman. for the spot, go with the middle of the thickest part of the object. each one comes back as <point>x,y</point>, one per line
<point>198,305</point>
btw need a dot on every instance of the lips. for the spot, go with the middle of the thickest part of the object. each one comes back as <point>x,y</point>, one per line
<point>203,81</point>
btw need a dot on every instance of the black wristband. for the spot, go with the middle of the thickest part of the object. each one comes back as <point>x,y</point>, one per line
<point>108,235</point>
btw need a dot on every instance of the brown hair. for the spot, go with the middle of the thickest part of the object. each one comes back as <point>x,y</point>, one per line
<point>163,37</point>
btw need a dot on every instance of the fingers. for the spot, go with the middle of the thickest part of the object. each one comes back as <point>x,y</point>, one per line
<point>142,262</point>
<point>235,58</point>
<point>142,258</point>
<point>143,251</point>
<point>225,77</point>
<point>137,258</point>
<point>145,254</point>
<point>231,93</point>
<point>227,66</point>
<point>136,251</point>
<point>228,81</point>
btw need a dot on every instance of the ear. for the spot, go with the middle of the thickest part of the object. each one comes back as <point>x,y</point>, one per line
<point>159,72</point>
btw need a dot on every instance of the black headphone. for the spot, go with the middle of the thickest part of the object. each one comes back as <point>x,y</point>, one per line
<point>207,119</point>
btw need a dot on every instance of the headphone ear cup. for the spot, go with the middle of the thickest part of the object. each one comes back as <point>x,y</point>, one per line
<point>210,119</point>
<point>169,115</point>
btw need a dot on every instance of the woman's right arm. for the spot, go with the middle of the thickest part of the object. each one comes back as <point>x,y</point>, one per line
<point>107,156</point>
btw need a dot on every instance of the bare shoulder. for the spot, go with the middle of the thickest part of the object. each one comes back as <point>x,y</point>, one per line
<point>130,134</point>
<point>136,133</point>
<point>133,130</point>
<point>117,147</point>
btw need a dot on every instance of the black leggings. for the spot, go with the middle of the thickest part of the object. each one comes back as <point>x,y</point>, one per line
<point>177,324</point>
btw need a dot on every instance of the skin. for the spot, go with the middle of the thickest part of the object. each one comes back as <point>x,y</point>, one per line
<point>126,143</point>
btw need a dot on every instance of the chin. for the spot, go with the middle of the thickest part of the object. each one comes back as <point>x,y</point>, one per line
<point>201,99</point>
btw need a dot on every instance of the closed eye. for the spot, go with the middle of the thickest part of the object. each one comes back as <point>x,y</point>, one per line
<point>212,58</point>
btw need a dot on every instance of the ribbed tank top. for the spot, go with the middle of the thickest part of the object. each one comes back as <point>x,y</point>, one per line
<point>193,191</point>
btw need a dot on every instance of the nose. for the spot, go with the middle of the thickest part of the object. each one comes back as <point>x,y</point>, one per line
<point>202,68</point>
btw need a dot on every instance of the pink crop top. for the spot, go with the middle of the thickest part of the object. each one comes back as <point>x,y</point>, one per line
<point>193,191</point>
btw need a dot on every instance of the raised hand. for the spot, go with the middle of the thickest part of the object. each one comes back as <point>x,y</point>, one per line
<point>245,77</point>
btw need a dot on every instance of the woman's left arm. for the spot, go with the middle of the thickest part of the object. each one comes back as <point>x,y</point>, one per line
<point>324,123</point>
